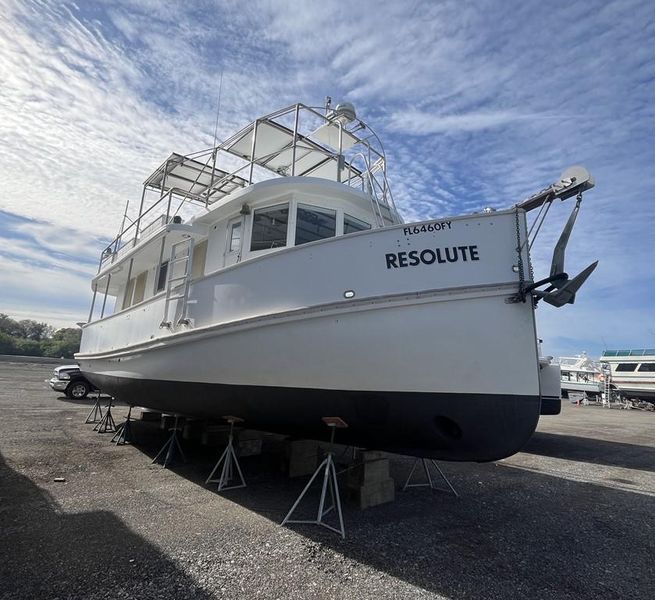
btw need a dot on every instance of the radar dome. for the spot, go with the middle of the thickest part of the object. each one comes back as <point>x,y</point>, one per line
<point>345,112</point>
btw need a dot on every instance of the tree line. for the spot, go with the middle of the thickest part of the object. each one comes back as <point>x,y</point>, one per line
<point>31,338</point>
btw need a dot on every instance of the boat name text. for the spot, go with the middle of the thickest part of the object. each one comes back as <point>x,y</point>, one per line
<point>429,256</point>
<point>438,226</point>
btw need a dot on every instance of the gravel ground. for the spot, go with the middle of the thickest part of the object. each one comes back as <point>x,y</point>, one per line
<point>571,517</point>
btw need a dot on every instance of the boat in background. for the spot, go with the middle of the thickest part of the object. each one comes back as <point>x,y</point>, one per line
<point>581,375</point>
<point>272,278</point>
<point>632,372</point>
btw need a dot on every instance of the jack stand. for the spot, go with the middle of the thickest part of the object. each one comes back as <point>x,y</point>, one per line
<point>168,450</point>
<point>429,483</point>
<point>96,412</point>
<point>107,423</point>
<point>329,481</point>
<point>229,462</point>
<point>123,433</point>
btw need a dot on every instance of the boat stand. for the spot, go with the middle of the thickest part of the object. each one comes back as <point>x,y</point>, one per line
<point>96,412</point>
<point>229,463</point>
<point>123,433</point>
<point>169,448</point>
<point>429,483</point>
<point>329,483</point>
<point>107,423</point>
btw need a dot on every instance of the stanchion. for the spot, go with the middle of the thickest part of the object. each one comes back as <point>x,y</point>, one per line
<point>96,412</point>
<point>123,433</point>
<point>107,423</point>
<point>229,462</point>
<point>169,448</point>
<point>429,483</point>
<point>330,484</point>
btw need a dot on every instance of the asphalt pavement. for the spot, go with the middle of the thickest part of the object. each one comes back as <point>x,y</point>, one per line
<point>571,517</point>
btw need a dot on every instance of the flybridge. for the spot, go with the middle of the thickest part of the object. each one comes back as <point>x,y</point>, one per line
<point>297,141</point>
<point>624,353</point>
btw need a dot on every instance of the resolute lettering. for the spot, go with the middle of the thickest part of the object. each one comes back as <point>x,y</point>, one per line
<point>429,256</point>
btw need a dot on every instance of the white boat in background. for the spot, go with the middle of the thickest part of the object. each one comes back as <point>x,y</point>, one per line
<point>632,372</point>
<point>581,375</point>
<point>272,278</point>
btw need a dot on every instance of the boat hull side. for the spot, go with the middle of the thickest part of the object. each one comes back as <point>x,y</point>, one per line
<point>645,391</point>
<point>589,388</point>
<point>471,427</point>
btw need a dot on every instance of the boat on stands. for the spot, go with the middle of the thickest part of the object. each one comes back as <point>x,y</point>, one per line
<point>632,372</point>
<point>580,375</point>
<point>271,277</point>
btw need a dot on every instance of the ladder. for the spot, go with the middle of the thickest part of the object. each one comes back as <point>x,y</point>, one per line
<point>177,282</point>
<point>607,380</point>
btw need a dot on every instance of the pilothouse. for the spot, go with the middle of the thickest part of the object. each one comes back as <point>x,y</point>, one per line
<point>271,277</point>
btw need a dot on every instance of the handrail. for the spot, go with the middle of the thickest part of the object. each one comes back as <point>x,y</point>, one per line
<point>108,252</point>
<point>379,187</point>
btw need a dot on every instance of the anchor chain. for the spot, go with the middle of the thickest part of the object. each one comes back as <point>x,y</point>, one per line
<point>519,249</point>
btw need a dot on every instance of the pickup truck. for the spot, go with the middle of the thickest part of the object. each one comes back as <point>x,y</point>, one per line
<point>69,379</point>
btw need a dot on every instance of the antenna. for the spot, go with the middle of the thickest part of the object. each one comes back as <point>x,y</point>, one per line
<point>127,205</point>
<point>218,106</point>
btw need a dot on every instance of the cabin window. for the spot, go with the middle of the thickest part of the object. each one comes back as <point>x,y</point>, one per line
<point>269,227</point>
<point>161,277</point>
<point>626,367</point>
<point>313,223</point>
<point>235,237</point>
<point>199,259</point>
<point>351,225</point>
<point>646,367</point>
<point>127,298</point>
<point>140,287</point>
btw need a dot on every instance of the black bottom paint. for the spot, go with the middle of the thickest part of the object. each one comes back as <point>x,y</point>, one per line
<point>551,406</point>
<point>471,427</point>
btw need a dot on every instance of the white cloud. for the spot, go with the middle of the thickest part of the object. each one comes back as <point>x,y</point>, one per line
<point>416,122</point>
<point>478,104</point>
<point>58,296</point>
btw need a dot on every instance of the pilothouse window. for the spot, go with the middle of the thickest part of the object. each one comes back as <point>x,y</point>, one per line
<point>626,367</point>
<point>313,223</point>
<point>650,367</point>
<point>351,225</point>
<point>235,237</point>
<point>269,227</point>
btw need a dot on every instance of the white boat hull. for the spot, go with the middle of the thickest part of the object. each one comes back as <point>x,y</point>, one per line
<point>577,386</point>
<point>634,389</point>
<point>399,387</point>
<point>434,359</point>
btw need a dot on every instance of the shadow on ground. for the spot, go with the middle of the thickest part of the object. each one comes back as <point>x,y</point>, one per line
<point>588,450</point>
<point>45,553</point>
<point>88,401</point>
<point>512,534</point>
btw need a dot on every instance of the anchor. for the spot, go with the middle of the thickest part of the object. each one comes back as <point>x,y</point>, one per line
<point>561,290</point>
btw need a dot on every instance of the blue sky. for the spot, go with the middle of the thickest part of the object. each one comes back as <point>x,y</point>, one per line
<point>478,103</point>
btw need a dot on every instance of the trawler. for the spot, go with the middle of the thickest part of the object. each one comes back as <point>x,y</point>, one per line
<point>271,277</point>
<point>631,372</point>
<point>580,375</point>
